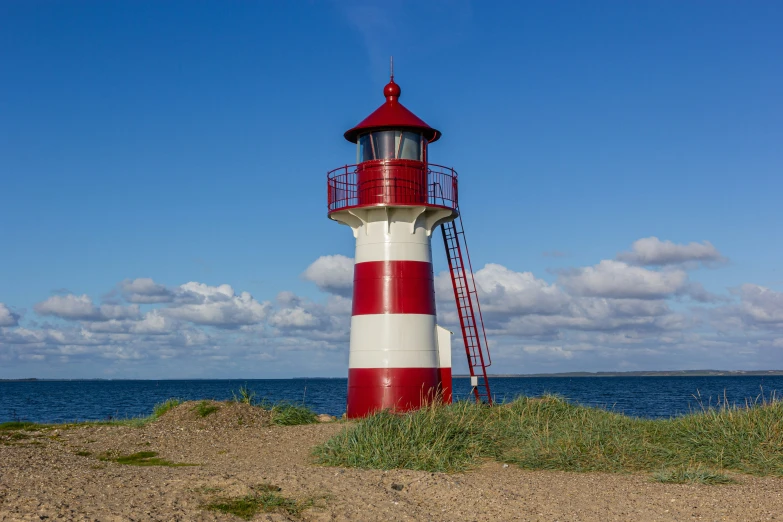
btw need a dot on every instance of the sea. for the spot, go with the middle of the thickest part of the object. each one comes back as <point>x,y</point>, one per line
<point>649,397</point>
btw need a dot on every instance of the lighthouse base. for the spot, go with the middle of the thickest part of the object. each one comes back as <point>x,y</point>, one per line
<point>396,389</point>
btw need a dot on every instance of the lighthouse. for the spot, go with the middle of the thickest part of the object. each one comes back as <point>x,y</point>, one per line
<point>393,199</point>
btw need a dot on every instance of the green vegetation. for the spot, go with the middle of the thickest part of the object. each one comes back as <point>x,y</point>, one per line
<point>21,425</point>
<point>264,498</point>
<point>550,433</point>
<point>163,407</point>
<point>433,439</point>
<point>142,458</point>
<point>206,408</point>
<point>134,422</point>
<point>288,414</point>
<point>246,396</point>
<point>282,413</point>
<point>692,475</point>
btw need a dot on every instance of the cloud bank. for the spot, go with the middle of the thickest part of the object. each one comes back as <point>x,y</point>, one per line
<point>641,310</point>
<point>651,251</point>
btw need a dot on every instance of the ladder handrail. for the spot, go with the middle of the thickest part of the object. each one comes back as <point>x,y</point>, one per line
<point>473,351</point>
<point>475,291</point>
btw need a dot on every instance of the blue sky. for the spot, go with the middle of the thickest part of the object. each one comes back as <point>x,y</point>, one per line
<point>148,146</point>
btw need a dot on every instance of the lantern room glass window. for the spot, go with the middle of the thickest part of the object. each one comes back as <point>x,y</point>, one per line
<point>390,144</point>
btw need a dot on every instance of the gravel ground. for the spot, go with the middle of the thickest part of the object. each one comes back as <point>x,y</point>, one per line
<point>57,474</point>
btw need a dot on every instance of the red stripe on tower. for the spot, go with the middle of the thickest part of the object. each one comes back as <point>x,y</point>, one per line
<point>393,287</point>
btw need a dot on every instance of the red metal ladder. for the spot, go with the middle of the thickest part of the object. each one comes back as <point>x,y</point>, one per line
<point>468,308</point>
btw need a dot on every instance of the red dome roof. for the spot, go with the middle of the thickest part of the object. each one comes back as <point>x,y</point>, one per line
<point>392,114</point>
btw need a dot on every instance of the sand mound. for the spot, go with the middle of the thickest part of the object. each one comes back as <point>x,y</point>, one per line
<point>213,415</point>
<point>61,474</point>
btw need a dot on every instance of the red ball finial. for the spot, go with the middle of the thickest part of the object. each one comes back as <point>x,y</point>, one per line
<point>392,90</point>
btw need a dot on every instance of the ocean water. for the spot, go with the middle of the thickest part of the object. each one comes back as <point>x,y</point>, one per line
<point>651,397</point>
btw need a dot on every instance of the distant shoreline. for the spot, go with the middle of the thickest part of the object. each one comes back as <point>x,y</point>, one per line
<point>667,373</point>
<point>673,373</point>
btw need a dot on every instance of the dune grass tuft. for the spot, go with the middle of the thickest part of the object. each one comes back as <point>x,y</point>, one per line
<point>289,414</point>
<point>432,439</point>
<point>551,433</point>
<point>142,458</point>
<point>692,475</point>
<point>205,408</point>
<point>246,396</point>
<point>264,498</point>
<point>163,407</point>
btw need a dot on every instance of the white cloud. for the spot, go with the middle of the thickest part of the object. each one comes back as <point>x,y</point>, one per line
<point>154,323</point>
<point>293,313</point>
<point>555,352</point>
<point>111,311</point>
<point>69,307</point>
<point>294,317</point>
<point>653,251</point>
<point>761,306</point>
<point>144,290</point>
<point>7,317</point>
<point>506,291</point>
<point>216,306</point>
<point>81,308</point>
<point>620,280</point>
<point>333,274</point>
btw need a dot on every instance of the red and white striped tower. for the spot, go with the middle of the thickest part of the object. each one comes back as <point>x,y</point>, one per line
<point>393,199</point>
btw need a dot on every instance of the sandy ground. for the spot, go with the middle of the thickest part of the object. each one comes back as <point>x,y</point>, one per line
<point>44,478</point>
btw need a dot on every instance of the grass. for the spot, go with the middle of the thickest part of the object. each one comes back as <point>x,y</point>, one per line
<point>692,475</point>
<point>142,458</point>
<point>264,498</point>
<point>246,396</point>
<point>136,422</point>
<point>162,408</point>
<point>288,414</point>
<point>550,433</point>
<point>21,425</point>
<point>205,408</point>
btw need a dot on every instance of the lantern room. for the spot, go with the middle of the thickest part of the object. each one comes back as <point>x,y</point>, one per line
<point>392,166</point>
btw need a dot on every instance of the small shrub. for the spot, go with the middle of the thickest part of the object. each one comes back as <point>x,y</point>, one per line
<point>205,408</point>
<point>164,407</point>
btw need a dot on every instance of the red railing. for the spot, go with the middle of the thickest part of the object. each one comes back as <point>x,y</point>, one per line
<point>392,182</point>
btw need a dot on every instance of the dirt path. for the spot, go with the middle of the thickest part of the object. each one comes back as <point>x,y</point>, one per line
<point>56,474</point>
